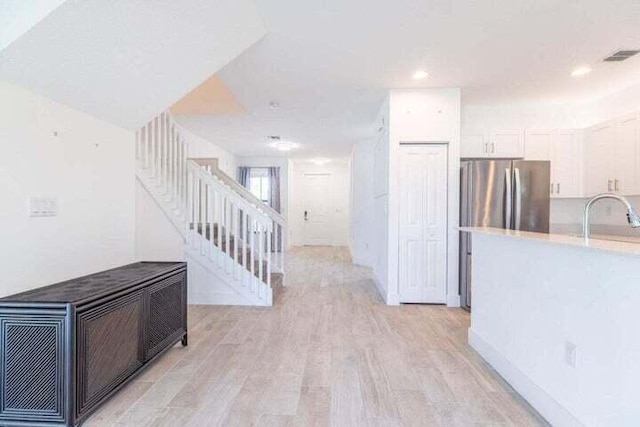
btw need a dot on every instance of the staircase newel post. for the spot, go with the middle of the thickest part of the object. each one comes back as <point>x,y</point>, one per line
<point>261,259</point>
<point>243,226</point>
<point>236,240</point>
<point>253,251</point>
<point>269,236</point>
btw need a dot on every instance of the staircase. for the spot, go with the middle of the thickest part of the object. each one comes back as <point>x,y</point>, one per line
<point>227,231</point>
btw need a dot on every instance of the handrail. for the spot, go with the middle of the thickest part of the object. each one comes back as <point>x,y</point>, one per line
<point>229,192</point>
<point>212,164</point>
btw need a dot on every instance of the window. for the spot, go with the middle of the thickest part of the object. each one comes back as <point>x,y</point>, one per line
<point>259,183</point>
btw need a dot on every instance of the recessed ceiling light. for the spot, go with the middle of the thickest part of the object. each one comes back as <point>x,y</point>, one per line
<point>283,145</point>
<point>320,161</point>
<point>581,71</point>
<point>420,74</point>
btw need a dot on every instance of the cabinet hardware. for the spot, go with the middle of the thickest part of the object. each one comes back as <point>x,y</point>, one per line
<point>558,188</point>
<point>493,148</point>
<point>486,148</point>
<point>616,185</point>
<point>551,188</point>
<point>609,183</point>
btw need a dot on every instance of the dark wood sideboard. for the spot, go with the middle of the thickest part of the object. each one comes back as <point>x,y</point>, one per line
<point>68,347</point>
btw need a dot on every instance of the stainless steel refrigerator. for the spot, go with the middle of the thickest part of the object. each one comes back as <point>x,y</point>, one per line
<point>510,194</point>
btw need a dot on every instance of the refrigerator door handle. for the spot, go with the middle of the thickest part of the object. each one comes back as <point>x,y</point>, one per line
<point>518,198</point>
<point>507,198</point>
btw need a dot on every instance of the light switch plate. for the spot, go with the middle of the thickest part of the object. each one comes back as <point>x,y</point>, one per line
<point>43,206</point>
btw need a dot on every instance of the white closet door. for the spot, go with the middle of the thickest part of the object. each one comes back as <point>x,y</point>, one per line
<point>423,223</point>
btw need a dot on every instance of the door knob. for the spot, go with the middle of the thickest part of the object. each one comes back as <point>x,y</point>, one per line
<point>306,216</point>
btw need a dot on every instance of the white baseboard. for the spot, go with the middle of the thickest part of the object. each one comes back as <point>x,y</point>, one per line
<point>393,299</point>
<point>381,289</point>
<point>453,300</point>
<point>362,262</point>
<point>546,405</point>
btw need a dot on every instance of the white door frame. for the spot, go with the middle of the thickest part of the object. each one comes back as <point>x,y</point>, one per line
<point>445,238</point>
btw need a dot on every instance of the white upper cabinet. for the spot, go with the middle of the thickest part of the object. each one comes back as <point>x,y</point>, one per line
<point>507,143</point>
<point>566,163</point>
<point>599,159</point>
<point>627,154</point>
<point>612,157</point>
<point>538,143</point>
<point>563,148</point>
<point>493,143</point>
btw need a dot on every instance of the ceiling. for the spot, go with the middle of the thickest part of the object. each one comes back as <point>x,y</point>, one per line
<point>328,64</point>
<point>19,16</point>
<point>210,97</point>
<point>125,61</point>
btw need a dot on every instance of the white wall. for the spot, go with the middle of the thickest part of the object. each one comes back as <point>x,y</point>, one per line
<point>427,115</point>
<point>202,148</point>
<point>381,180</point>
<point>550,116</point>
<point>612,105</point>
<point>521,116</point>
<point>156,238</point>
<point>361,218</point>
<point>88,167</point>
<point>338,202</point>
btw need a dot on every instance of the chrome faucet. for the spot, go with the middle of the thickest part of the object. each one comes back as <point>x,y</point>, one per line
<point>632,216</point>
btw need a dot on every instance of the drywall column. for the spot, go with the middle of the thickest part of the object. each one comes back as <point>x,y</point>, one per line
<point>424,116</point>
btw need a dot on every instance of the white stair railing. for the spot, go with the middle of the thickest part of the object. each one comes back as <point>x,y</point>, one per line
<point>221,221</point>
<point>161,154</point>
<point>277,244</point>
<point>229,231</point>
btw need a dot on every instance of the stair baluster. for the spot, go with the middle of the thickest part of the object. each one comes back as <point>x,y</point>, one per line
<point>225,228</point>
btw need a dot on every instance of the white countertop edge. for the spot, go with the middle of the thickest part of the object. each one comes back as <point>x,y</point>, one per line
<point>561,239</point>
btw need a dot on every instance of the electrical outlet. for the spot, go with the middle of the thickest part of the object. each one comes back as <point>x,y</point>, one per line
<point>570,354</point>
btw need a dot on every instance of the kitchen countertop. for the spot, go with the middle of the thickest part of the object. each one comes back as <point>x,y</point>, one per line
<point>630,245</point>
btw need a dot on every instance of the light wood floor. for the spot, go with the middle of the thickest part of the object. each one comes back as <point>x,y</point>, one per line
<point>328,353</point>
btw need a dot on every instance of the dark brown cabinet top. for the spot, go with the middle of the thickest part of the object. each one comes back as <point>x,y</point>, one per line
<point>94,286</point>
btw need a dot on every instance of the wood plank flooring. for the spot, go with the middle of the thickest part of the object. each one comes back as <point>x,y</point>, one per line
<point>328,353</point>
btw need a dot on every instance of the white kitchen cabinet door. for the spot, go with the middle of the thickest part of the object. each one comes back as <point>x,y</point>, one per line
<point>538,144</point>
<point>473,145</point>
<point>506,143</point>
<point>625,173</point>
<point>599,159</point>
<point>566,164</point>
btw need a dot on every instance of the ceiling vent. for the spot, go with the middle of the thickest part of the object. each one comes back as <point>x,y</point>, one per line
<point>621,55</point>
